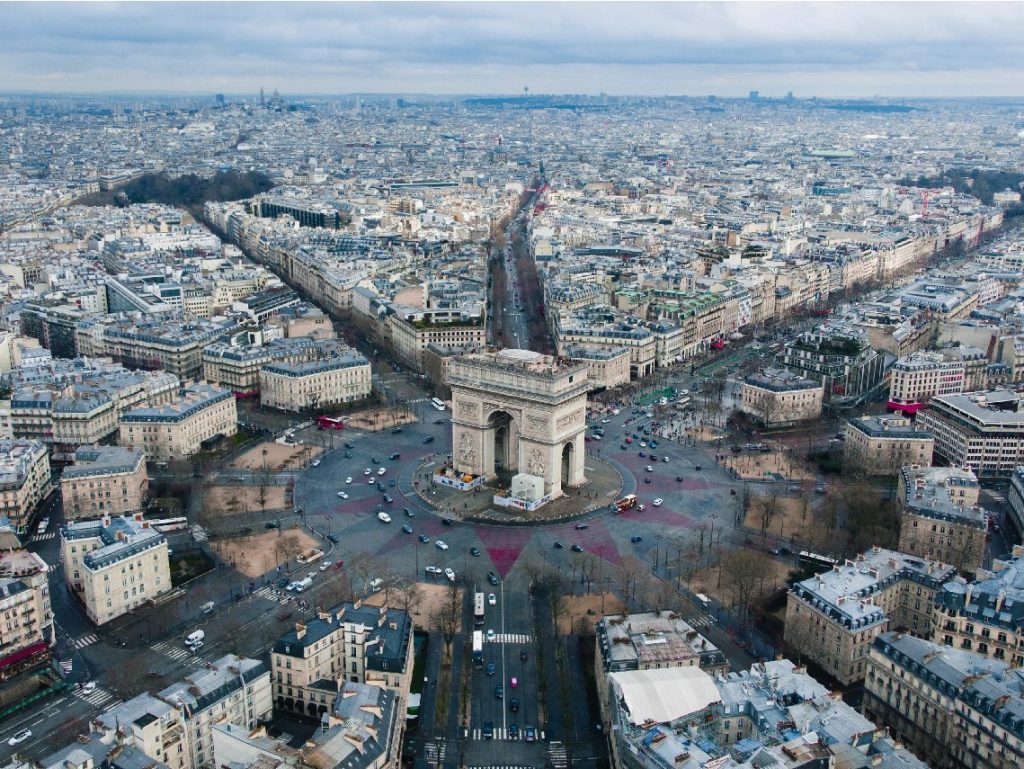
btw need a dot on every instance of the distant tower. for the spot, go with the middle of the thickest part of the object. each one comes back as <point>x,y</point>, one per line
<point>262,100</point>
<point>526,91</point>
<point>219,98</point>
<point>754,95</point>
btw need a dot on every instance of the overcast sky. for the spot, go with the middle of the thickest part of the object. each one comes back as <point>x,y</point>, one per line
<point>848,49</point>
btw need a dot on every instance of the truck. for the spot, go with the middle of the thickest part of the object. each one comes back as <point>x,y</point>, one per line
<point>303,584</point>
<point>195,637</point>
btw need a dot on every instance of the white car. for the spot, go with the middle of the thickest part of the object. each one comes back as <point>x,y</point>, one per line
<point>649,469</point>
<point>441,544</point>
<point>343,495</point>
<point>657,502</point>
<point>20,737</point>
<point>326,565</point>
<point>349,479</point>
<point>371,480</point>
<point>433,570</point>
<point>492,600</point>
<point>491,635</point>
<point>450,574</point>
<point>641,508</point>
<point>382,471</point>
<point>664,459</point>
<point>605,421</point>
<point>89,687</point>
<point>383,517</point>
<point>316,463</point>
<point>367,471</point>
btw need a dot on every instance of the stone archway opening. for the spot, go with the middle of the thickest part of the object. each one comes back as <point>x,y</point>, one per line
<point>500,425</point>
<point>567,464</point>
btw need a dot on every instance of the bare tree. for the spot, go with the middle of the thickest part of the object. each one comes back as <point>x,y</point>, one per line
<point>630,569</point>
<point>743,572</point>
<point>447,615</point>
<point>767,510</point>
<point>409,597</point>
<point>286,547</point>
<point>363,566</point>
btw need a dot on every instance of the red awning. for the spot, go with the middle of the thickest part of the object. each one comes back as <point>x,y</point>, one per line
<point>22,654</point>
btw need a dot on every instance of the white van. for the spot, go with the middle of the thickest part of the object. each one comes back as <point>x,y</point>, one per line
<point>704,600</point>
<point>375,584</point>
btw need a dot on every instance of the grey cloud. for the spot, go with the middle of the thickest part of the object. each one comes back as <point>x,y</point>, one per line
<point>462,47</point>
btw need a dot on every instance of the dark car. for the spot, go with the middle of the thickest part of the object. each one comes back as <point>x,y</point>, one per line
<point>447,521</point>
<point>388,499</point>
<point>513,731</point>
<point>513,705</point>
<point>559,545</point>
<point>635,538</point>
<point>647,479</point>
<point>408,512</point>
<point>270,525</point>
<point>429,439</point>
<point>391,483</point>
<point>581,526</point>
<point>490,670</point>
<point>438,421</point>
<point>696,467</point>
<point>492,578</point>
<point>642,455</point>
<point>380,487</point>
<point>523,656</point>
<point>679,477</point>
<point>394,456</point>
<point>407,529</point>
<point>283,582</point>
<point>577,548</point>
<point>348,455</point>
<point>623,446</point>
<point>333,538</point>
<point>488,730</point>
<point>349,445</point>
<point>396,431</point>
<point>499,692</point>
<point>474,551</point>
<point>530,734</point>
<point>424,538</point>
<point>375,460</point>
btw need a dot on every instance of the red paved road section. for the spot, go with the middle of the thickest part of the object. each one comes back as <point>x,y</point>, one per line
<point>504,546</point>
<point>598,541</point>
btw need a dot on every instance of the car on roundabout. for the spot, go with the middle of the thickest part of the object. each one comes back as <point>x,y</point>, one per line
<point>349,479</point>
<point>343,495</point>
<point>657,502</point>
<point>383,517</point>
<point>407,528</point>
<point>441,544</point>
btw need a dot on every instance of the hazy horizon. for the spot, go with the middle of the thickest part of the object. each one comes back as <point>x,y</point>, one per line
<point>830,50</point>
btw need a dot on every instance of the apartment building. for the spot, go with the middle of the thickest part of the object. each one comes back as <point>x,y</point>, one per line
<point>1015,504</point>
<point>773,714</point>
<point>169,342</point>
<point>940,517</point>
<point>412,330</point>
<point>114,564</point>
<point>352,642</point>
<point>24,479</point>
<point>654,640</point>
<point>231,690</point>
<point>607,368</point>
<point>179,429</point>
<point>916,378</point>
<point>592,328</point>
<point>876,445</point>
<point>953,708</point>
<point>26,619</point>
<point>341,378</point>
<point>982,430</point>
<point>148,725</point>
<point>985,615</point>
<point>833,617</point>
<point>779,398</point>
<point>841,359</point>
<point>362,729</point>
<point>237,366</point>
<point>104,480</point>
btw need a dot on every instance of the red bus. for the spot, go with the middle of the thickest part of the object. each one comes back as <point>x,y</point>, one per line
<point>628,502</point>
<point>330,423</point>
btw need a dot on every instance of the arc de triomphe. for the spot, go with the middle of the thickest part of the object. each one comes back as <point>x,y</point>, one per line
<point>520,411</point>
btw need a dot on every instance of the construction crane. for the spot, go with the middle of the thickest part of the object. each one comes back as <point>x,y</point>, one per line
<point>924,210</point>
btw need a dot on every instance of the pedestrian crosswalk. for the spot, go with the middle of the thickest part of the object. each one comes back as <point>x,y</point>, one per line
<point>111,705</point>
<point>435,752</point>
<point>86,640</point>
<point>700,620</point>
<point>98,698</point>
<point>556,755</point>
<point>272,594</point>
<point>176,653</point>
<point>500,733</point>
<point>510,638</point>
<point>43,537</point>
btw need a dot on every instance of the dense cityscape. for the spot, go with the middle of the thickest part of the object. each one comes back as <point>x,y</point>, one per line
<point>499,431</point>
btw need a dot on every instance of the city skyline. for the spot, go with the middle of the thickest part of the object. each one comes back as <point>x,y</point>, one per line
<point>830,50</point>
